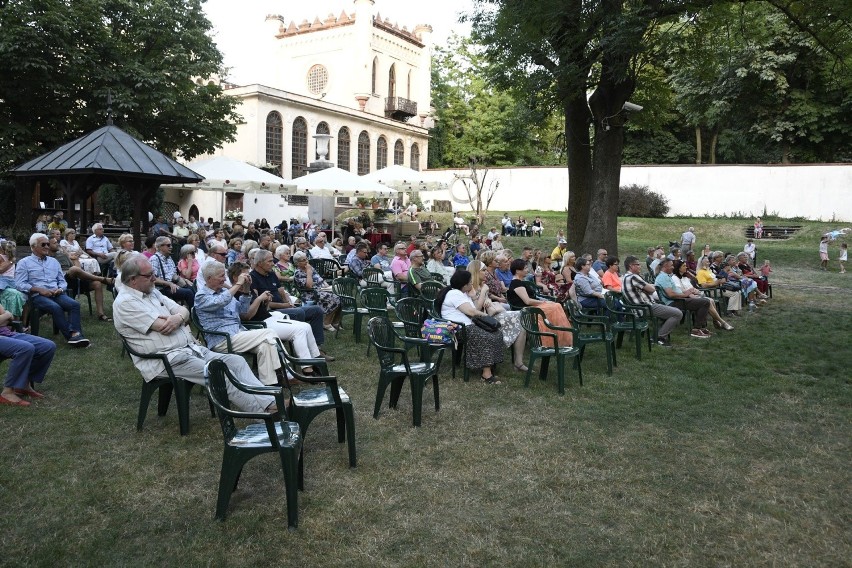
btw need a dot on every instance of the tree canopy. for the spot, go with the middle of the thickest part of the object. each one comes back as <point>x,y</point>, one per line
<point>59,60</point>
<point>586,59</point>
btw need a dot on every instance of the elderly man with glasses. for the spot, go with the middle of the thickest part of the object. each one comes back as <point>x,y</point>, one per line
<point>166,273</point>
<point>152,323</point>
<point>215,252</point>
<point>40,276</point>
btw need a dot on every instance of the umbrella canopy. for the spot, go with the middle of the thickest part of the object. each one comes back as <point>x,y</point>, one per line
<point>227,174</point>
<point>402,178</point>
<point>332,182</point>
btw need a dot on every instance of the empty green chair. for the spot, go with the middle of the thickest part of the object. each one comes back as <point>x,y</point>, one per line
<point>428,292</point>
<point>327,268</point>
<point>347,290</point>
<point>242,444</point>
<point>395,365</point>
<point>318,394</point>
<point>631,321</point>
<point>589,329</point>
<point>537,327</point>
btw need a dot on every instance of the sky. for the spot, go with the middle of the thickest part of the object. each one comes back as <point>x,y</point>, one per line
<point>237,24</point>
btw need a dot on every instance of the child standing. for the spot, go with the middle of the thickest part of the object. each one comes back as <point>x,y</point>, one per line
<point>823,252</point>
<point>766,269</point>
<point>843,253</point>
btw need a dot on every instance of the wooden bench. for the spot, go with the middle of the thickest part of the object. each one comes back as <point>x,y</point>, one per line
<point>779,232</point>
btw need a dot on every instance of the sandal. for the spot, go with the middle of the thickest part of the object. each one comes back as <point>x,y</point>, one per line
<point>103,317</point>
<point>492,380</point>
<point>522,368</point>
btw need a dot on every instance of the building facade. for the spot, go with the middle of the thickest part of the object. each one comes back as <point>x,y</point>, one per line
<point>357,77</point>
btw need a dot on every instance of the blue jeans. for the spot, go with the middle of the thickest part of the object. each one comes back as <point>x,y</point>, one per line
<point>312,315</point>
<point>57,306</point>
<point>31,356</point>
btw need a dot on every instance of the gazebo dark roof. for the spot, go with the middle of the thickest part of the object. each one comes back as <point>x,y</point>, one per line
<point>108,151</point>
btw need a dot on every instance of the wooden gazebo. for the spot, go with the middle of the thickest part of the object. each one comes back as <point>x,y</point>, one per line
<point>108,155</point>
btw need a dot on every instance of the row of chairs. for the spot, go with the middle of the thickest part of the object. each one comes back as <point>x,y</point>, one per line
<point>283,432</point>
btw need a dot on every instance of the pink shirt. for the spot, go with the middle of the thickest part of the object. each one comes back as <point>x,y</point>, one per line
<point>400,265</point>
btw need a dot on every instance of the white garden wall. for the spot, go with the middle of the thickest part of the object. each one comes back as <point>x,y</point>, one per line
<point>818,192</point>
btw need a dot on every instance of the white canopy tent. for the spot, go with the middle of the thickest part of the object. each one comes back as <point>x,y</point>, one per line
<point>334,182</point>
<point>403,178</point>
<point>227,174</point>
<point>224,174</point>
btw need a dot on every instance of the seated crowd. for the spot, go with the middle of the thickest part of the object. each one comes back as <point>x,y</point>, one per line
<point>234,275</point>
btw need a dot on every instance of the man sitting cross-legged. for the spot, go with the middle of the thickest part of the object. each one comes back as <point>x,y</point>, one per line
<point>637,291</point>
<point>218,309</point>
<point>40,276</point>
<point>152,323</point>
<point>298,332</point>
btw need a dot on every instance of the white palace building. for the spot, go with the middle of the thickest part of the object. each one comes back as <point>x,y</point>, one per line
<point>360,78</point>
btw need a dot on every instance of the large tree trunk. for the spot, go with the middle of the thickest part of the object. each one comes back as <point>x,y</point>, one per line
<point>578,144</point>
<point>713,140</point>
<point>698,144</point>
<point>602,225</point>
<point>607,107</point>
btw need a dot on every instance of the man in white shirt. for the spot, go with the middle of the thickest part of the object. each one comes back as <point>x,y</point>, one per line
<point>100,247</point>
<point>319,249</point>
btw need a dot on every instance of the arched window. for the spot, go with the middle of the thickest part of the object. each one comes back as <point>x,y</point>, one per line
<point>374,90</point>
<point>322,128</point>
<point>275,140</point>
<point>343,149</point>
<point>408,89</point>
<point>300,147</point>
<point>381,153</point>
<point>398,153</point>
<point>415,157</point>
<point>363,153</point>
<point>392,81</point>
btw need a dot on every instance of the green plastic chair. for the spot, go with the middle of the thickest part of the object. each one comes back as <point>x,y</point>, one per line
<point>375,300</point>
<point>632,322</point>
<point>327,268</point>
<point>241,445</point>
<point>347,290</point>
<point>532,320</point>
<point>166,385</point>
<point>395,365</point>
<point>412,313</point>
<point>428,292</point>
<point>592,329</point>
<point>320,393</point>
<point>375,278</point>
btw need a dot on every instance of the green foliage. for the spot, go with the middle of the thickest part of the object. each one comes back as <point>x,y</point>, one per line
<point>60,59</point>
<point>115,202</point>
<point>478,120</point>
<point>7,198</point>
<point>639,201</point>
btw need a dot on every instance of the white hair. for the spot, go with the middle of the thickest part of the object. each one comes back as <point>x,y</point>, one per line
<point>97,226</point>
<point>36,236</point>
<point>212,268</point>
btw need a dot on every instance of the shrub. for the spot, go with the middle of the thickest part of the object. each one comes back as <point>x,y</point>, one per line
<point>639,201</point>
